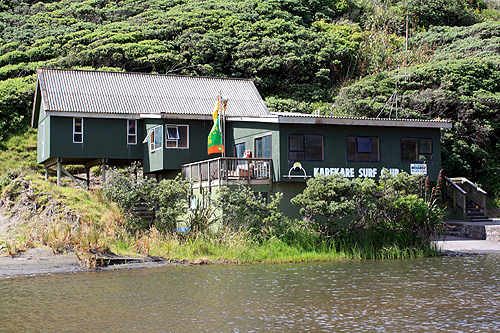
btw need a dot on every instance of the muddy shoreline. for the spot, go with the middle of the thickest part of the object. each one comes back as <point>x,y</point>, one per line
<point>42,261</point>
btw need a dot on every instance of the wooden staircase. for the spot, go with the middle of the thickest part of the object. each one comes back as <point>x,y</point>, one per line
<point>474,213</point>
<point>468,197</point>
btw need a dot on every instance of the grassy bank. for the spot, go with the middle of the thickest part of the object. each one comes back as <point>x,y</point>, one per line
<point>71,219</point>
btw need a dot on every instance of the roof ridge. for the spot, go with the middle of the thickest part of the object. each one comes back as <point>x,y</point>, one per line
<point>141,74</point>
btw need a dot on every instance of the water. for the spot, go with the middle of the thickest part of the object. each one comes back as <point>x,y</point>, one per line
<point>445,294</point>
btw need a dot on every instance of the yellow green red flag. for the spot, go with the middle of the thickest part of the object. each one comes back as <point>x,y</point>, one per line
<point>215,144</point>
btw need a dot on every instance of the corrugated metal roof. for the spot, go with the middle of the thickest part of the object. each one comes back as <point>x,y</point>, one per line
<point>137,93</point>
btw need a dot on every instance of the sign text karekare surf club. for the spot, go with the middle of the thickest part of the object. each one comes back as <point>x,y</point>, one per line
<point>415,169</point>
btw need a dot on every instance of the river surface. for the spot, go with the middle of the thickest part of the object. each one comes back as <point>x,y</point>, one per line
<point>445,294</point>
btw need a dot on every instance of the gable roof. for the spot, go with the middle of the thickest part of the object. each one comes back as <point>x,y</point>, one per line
<point>143,94</point>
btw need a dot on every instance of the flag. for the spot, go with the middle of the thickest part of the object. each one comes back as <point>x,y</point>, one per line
<point>215,115</point>
<point>215,144</point>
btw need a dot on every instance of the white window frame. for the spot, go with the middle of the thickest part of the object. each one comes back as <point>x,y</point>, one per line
<point>75,132</point>
<point>176,138</point>
<point>131,135</point>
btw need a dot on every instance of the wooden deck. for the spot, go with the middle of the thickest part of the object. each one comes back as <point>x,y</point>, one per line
<point>229,171</point>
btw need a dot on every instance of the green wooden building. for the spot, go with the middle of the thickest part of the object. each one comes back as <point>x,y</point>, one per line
<point>162,121</point>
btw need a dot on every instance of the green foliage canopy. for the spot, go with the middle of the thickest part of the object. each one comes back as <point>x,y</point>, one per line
<point>339,204</point>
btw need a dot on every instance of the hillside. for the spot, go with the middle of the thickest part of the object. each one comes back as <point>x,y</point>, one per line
<point>300,53</point>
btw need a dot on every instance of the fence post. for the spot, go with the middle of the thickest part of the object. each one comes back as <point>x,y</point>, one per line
<point>464,209</point>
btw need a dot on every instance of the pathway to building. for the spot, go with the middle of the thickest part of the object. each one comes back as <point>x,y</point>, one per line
<point>464,245</point>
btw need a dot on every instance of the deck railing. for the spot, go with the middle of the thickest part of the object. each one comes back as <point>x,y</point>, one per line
<point>229,170</point>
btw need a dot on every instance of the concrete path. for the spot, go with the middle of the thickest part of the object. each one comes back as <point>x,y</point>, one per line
<point>468,245</point>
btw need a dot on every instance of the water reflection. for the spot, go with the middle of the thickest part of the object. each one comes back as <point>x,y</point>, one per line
<point>458,294</point>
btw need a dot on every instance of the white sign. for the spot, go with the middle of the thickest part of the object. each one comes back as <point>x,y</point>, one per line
<point>418,169</point>
<point>350,172</point>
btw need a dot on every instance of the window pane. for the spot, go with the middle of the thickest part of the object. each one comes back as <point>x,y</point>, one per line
<point>314,147</point>
<point>409,149</point>
<point>425,158</point>
<point>364,144</point>
<point>131,127</point>
<point>239,148</point>
<point>171,143</point>
<point>172,133</point>
<point>351,148</point>
<point>258,148</point>
<point>425,146</point>
<point>363,157</point>
<point>157,137</point>
<point>266,147</point>
<point>78,125</point>
<point>183,136</point>
<point>131,139</point>
<point>375,156</point>
<point>296,142</point>
<point>296,156</point>
<point>78,138</point>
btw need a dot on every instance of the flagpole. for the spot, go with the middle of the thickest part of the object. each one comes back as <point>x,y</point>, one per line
<point>224,103</point>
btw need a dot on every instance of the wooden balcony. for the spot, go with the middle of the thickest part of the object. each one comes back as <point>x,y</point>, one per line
<point>229,171</point>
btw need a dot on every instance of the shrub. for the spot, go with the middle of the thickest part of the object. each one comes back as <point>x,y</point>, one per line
<point>337,203</point>
<point>242,209</point>
<point>167,198</point>
<point>405,204</point>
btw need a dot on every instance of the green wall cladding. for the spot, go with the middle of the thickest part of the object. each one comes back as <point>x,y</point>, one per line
<point>246,132</point>
<point>102,138</point>
<point>335,150</point>
<point>43,151</point>
<point>166,160</point>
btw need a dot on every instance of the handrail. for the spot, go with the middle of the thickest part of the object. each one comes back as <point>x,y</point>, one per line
<point>474,185</point>
<point>455,185</point>
<point>458,194</point>
<point>465,189</point>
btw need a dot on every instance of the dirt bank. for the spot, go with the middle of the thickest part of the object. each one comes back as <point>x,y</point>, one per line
<point>42,260</point>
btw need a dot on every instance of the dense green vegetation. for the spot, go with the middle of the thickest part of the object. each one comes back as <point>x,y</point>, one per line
<point>342,220</point>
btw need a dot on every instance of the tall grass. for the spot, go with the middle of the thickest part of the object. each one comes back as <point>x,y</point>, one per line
<point>242,247</point>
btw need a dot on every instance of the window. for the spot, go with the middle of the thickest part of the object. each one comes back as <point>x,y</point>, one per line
<point>303,147</point>
<point>416,150</point>
<point>155,138</point>
<point>263,147</point>
<point>77,130</point>
<point>132,132</point>
<point>177,136</point>
<point>363,149</point>
<point>238,150</point>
